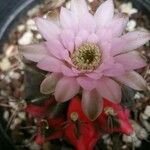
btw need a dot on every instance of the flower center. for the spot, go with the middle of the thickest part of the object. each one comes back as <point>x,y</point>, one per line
<point>87,57</point>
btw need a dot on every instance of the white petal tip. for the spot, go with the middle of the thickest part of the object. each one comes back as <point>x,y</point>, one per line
<point>48,85</point>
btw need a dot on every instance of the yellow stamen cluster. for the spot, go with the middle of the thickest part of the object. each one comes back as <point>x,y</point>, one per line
<point>87,57</point>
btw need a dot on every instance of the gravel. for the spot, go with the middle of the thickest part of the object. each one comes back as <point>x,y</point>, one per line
<point>12,76</point>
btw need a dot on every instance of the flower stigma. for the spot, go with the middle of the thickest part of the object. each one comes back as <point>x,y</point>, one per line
<point>74,116</point>
<point>87,57</point>
<point>110,111</point>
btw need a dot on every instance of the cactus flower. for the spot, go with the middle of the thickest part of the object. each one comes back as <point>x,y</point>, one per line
<point>88,52</point>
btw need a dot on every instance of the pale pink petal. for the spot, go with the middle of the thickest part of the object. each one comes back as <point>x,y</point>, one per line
<point>105,37</point>
<point>87,23</point>
<point>104,13</point>
<point>66,88</point>
<point>81,37</point>
<point>47,28</point>
<point>94,75</point>
<point>104,34</point>
<point>93,38</point>
<point>118,24</point>
<point>109,89</point>
<point>68,20</point>
<point>133,80</point>
<point>49,83</point>
<point>83,34</point>
<point>105,49</point>
<point>131,60</point>
<point>105,66</point>
<point>34,52</point>
<point>92,104</point>
<point>55,48</point>
<point>75,70</point>
<point>67,38</point>
<point>65,55</point>
<point>114,70</point>
<point>68,71</point>
<point>50,64</point>
<point>86,83</point>
<point>79,7</point>
<point>129,41</point>
<point>78,41</point>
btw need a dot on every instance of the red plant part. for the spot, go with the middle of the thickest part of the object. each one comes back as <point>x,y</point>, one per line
<point>80,131</point>
<point>39,139</point>
<point>35,111</point>
<point>47,128</point>
<point>39,111</point>
<point>77,128</point>
<point>114,118</point>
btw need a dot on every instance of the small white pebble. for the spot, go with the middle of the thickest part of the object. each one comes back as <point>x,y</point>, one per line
<point>144,122</point>
<point>127,138</point>
<point>13,105</point>
<point>143,134</point>
<point>2,76</point>
<point>22,72</point>
<point>127,8</point>
<point>14,75</point>
<point>144,116</point>
<point>30,22</point>
<point>131,139</point>
<point>35,120</point>
<point>140,131</point>
<point>26,38</point>
<point>22,115</point>
<point>7,79</point>
<point>3,93</point>
<point>137,95</point>
<point>15,122</point>
<point>38,36</point>
<point>5,64</point>
<point>45,16</point>
<point>31,25</point>
<point>124,147</point>
<point>22,88</point>
<point>108,141</point>
<point>131,25</point>
<point>137,143</point>
<point>90,1</point>
<point>105,136</point>
<point>33,11</point>
<point>6,115</point>
<point>10,51</point>
<point>34,146</point>
<point>21,28</point>
<point>147,111</point>
<point>68,5</point>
